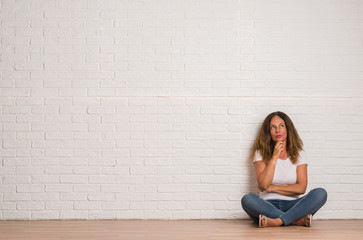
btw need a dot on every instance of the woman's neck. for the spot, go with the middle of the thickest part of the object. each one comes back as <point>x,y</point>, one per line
<point>284,155</point>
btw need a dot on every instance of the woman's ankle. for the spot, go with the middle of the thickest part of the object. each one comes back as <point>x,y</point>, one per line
<point>299,222</point>
<point>274,222</point>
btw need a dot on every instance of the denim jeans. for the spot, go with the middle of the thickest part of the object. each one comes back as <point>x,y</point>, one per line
<point>288,210</point>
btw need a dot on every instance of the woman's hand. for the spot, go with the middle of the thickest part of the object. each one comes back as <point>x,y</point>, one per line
<point>261,188</point>
<point>270,189</point>
<point>279,147</point>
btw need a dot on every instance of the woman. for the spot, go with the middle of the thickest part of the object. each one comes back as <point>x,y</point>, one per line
<point>281,172</point>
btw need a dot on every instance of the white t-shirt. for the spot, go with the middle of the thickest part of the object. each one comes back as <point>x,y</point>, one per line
<point>285,174</point>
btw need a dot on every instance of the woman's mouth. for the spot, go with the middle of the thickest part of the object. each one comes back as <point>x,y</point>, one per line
<point>278,136</point>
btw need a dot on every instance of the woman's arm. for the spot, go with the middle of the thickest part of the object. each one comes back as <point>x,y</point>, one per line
<point>265,173</point>
<point>293,189</point>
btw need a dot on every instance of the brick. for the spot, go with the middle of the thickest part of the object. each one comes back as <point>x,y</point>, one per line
<point>45,197</point>
<point>73,197</point>
<point>200,205</point>
<point>30,119</point>
<point>15,215</point>
<point>58,188</point>
<point>114,188</point>
<point>143,205</point>
<point>102,197</point>
<point>16,144</point>
<point>30,206</point>
<point>16,197</point>
<point>29,188</point>
<point>101,179</point>
<point>45,215</point>
<point>73,214</point>
<point>115,206</point>
<point>16,162</point>
<point>172,205</point>
<point>85,188</point>
<point>87,205</point>
<point>8,206</point>
<point>171,188</point>
<point>143,189</point>
<point>73,179</point>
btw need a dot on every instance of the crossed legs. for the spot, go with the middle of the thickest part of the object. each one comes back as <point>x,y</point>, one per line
<point>284,212</point>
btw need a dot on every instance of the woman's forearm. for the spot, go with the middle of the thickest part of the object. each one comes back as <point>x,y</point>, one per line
<point>288,190</point>
<point>267,175</point>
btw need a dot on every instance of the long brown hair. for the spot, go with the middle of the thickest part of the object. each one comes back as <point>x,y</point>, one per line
<point>265,145</point>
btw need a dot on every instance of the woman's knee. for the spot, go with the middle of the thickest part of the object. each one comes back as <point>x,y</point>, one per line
<point>320,193</point>
<point>248,199</point>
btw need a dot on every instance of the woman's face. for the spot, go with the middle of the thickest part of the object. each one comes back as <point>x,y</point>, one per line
<point>278,129</point>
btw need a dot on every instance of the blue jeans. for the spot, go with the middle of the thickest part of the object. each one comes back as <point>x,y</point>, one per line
<point>288,210</point>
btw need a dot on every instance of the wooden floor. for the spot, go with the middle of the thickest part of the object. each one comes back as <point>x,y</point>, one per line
<point>186,229</point>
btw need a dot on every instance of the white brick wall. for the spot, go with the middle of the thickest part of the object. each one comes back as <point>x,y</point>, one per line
<point>141,109</point>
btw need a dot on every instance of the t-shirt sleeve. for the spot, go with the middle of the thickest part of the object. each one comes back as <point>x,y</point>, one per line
<point>257,157</point>
<point>302,158</point>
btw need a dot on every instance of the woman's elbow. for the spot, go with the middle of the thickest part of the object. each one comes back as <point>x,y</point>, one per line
<point>263,186</point>
<point>301,192</point>
<point>303,189</point>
